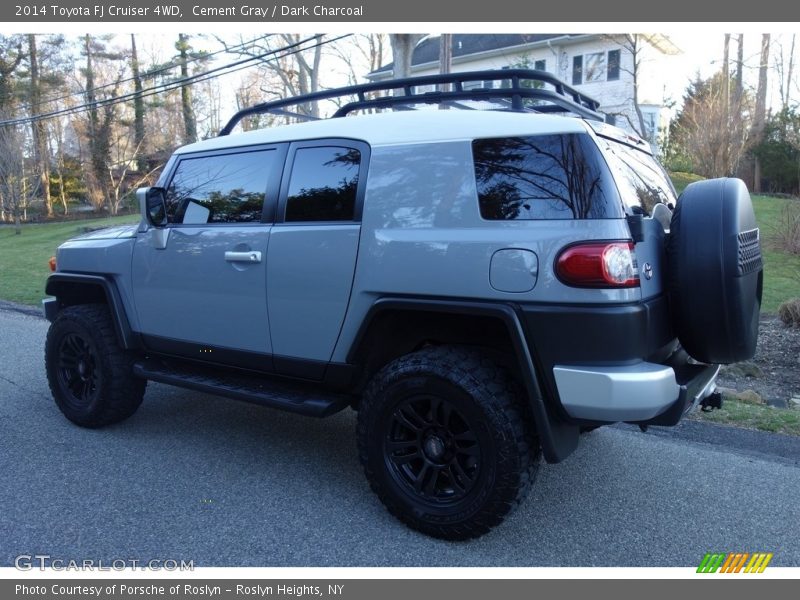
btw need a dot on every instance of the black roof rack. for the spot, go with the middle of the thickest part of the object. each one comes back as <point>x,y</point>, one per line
<point>518,85</point>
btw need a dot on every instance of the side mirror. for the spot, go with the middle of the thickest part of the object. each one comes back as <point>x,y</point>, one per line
<point>156,206</point>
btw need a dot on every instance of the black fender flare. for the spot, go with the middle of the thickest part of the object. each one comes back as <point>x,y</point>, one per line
<point>558,438</point>
<point>81,288</point>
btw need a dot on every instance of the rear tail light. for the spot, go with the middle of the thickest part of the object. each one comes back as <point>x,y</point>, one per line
<point>598,265</point>
<point>52,263</point>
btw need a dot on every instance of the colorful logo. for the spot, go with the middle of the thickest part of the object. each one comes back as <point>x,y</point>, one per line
<point>735,562</point>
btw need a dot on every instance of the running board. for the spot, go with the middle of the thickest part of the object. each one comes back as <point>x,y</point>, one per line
<point>301,398</point>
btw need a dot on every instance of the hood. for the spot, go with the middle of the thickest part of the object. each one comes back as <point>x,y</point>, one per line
<point>110,233</point>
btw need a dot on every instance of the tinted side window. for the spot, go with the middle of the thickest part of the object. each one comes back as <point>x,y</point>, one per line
<point>543,177</point>
<point>225,188</point>
<point>323,184</point>
<point>642,182</point>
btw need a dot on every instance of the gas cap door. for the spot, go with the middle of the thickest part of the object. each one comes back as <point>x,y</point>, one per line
<point>514,270</point>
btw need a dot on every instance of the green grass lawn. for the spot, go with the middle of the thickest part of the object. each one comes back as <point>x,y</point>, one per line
<point>753,416</point>
<point>23,258</point>
<point>781,269</point>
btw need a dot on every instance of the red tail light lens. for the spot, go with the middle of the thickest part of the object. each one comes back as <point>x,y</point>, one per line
<point>598,265</point>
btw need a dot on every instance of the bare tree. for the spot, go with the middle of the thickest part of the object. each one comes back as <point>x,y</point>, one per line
<point>708,131</point>
<point>100,117</point>
<point>296,72</point>
<point>632,45</point>
<point>138,108</point>
<point>118,176</point>
<point>361,53</point>
<point>739,88</point>
<point>57,127</point>
<point>784,67</point>
<point>403,45</point>
<point>41,153</point>
<point>760,114</point>
<point>15,187</point>
<point>189,124</point>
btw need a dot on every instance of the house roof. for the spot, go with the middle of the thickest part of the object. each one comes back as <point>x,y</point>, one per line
<point>467,44</point>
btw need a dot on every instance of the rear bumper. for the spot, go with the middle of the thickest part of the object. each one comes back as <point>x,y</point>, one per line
<point>608,363</point>
<point>642,393</point>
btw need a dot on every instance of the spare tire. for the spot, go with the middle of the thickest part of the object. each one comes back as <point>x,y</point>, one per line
<point>715,272</point>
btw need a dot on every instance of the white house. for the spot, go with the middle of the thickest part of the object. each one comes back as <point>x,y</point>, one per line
<point>601,66</point>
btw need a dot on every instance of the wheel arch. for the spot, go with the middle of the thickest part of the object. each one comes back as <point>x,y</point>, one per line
<point>411,323</point>
<point>69,289</point>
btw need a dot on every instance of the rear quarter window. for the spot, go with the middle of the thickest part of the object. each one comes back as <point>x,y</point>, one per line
<point>641,180</point>
<point>543,177</point>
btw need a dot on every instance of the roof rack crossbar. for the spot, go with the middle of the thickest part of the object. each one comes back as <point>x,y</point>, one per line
<point>561,97</point>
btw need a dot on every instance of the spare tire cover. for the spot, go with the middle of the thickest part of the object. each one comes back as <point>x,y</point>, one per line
<point>714,271</point>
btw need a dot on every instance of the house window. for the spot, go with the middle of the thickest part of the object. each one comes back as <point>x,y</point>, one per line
<point>577,70</point>
<point>540,65</point>
<point>594,67</point>
<point>650,126</point>
<point>613,65</point>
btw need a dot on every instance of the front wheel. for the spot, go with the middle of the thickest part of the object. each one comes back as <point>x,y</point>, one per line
<point>444,442</point>
<point>90,375</point>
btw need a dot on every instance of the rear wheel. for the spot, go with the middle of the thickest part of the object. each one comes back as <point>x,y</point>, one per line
<point>90,376</point>
<point>444,442</point>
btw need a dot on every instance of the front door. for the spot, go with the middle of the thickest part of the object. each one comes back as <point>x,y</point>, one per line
<point>199,285</point>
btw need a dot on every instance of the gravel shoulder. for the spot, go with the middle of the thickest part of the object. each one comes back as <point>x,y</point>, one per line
<point>774,372</point>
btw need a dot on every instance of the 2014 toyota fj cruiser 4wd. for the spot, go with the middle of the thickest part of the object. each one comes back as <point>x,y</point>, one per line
<point>480,285</point>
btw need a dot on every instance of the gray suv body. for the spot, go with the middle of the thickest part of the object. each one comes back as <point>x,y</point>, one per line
<point>481,286</point>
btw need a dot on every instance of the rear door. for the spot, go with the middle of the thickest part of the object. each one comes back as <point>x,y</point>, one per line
<point>201,289</point>
<point>312,253</point>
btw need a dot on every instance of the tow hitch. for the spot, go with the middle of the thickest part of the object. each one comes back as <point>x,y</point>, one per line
<point>711,402</point>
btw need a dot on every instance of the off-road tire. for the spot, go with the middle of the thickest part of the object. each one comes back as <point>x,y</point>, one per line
<point>485,399</point>
<point>90,375</point>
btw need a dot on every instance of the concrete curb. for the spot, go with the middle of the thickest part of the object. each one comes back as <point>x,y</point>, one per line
<point>25,309</point>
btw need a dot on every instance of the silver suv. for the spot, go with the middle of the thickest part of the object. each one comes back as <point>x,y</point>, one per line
<point>480,285</point>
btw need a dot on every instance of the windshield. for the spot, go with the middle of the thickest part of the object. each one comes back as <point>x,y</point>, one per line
<point>641,180</point>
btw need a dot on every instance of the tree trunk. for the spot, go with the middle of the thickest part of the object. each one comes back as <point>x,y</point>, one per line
<point>633,44</point>
<point>41,154</point>
<point>739,74</point>
<point>726,104</point>
<point>760,115</point>
<point>96,158</point>
<point>789,74</point>
<point>445,62</point>
<point>189,124</point>
<point>445,53</point>
<point>403,45</point>
<point>138,110</point>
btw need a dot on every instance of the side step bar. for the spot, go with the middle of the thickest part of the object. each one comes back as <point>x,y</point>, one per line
<point>300,398</point>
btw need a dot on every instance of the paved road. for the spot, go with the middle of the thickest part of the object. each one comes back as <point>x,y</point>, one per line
<point>228,484</point>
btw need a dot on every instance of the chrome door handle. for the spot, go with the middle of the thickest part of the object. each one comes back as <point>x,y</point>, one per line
<point>251,256</point>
